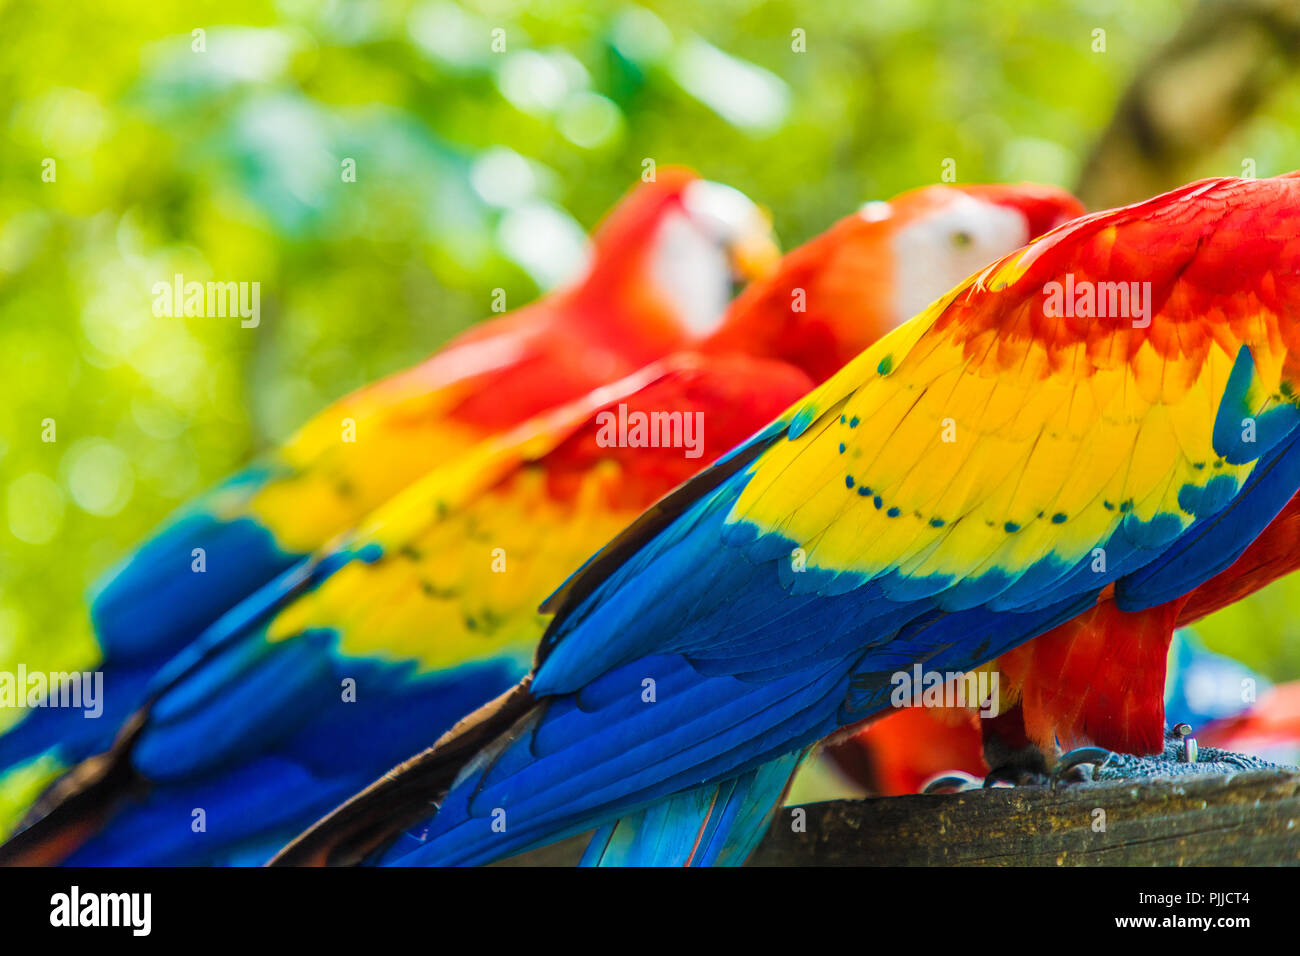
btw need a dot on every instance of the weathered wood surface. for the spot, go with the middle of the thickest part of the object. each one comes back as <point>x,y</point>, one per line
<point>1231,819</point>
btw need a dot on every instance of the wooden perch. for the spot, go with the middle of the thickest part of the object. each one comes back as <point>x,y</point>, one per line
<point>1246,818</point>
<point>1217,819</point>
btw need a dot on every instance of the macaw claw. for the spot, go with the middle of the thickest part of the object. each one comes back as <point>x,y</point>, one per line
<point>1182,756</point>
<point>1015,775</point>
<point>1077,759</point>
<point>954,781</point>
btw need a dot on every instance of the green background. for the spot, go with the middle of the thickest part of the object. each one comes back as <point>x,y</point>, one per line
<point>473,169</point>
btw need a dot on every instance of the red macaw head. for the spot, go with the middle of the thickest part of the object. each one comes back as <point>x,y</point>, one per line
<point>836,294</point>
<point>666,260</point>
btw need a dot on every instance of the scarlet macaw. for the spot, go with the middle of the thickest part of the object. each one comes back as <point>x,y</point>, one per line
<point>660,275</point>
<point>1099,678</point>
<point>919,746</point>
<point>1096,680</point>
<point>248,724</point>
<point>981,475</point>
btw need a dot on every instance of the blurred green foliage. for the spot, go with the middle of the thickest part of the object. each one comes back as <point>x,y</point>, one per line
<point>475,170</point>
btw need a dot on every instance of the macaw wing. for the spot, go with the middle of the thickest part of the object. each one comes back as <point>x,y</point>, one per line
<point>261,523</point>
<point>337,468</point>
<point>441,581</point>
<point>973,479</point>
<point>370,650</point>
<point>977,457</point>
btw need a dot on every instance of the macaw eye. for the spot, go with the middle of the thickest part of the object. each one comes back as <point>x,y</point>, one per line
<point>960,239</point>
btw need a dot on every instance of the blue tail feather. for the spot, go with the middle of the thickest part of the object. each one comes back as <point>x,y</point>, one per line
<point>714,825</point>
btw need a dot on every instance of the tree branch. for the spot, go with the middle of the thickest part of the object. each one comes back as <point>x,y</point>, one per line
<point>1207,81</point>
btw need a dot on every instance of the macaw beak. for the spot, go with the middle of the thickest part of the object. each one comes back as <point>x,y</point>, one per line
<point>754,255</point>
<point>741,226</point>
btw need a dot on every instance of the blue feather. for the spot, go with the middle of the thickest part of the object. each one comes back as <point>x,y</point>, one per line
<point>717,824</point>
<point>154,603</point>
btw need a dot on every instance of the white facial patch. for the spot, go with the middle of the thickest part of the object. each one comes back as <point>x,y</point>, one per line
<point>876,211</point>
<point>723,211</point>
<point>691,269</point>
<point>938,251</point>
<point>691,263</point>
